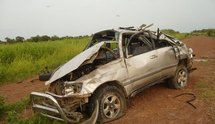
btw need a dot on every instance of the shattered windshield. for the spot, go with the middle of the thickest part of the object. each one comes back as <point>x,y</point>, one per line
<point>107,36</point>
<point>110,39</point>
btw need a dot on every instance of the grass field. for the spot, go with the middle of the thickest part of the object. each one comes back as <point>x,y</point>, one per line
<point>176,34</point>
<point>21,60</point>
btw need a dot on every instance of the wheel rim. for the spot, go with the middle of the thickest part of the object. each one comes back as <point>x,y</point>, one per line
<point>182,78</point>
<point>111,106</point>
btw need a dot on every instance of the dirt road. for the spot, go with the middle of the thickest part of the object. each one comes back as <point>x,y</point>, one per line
<point>156,104</point>
<point>13,92</point>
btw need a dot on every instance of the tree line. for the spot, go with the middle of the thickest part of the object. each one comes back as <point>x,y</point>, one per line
<point>38,38</point>
<point>208,32</point>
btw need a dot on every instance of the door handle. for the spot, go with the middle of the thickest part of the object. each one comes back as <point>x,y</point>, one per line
<point>153,56</point>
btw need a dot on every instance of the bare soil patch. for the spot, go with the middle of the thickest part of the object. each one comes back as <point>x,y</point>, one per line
<point>14,92</point>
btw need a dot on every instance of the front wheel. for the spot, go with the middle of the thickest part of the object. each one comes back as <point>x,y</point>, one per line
<point>112,103</point>
<point>179,80</point>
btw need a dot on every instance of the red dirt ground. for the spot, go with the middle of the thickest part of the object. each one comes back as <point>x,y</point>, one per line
<point>155,104</point>
<point>13,92</point>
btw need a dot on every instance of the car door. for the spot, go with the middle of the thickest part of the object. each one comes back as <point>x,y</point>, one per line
<point>167,58</point>
<point>142,63</point>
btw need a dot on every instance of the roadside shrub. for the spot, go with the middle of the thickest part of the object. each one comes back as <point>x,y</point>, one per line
<point>2,106</point>
<point>13,117</point>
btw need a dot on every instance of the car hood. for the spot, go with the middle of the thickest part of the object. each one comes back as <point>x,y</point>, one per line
<point>74,63</point>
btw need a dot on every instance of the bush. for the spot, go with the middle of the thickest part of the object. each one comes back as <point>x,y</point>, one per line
<point>13,117</point>
<point>2,106</point>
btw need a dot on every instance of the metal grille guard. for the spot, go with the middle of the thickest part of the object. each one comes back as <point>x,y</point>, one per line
<point>58,112</point>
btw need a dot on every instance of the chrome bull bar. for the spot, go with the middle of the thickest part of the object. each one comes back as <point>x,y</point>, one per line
<point>56,112</point>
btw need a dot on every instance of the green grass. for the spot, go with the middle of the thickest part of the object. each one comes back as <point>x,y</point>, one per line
<point>14,118</point>
<point>21,60</point>
<point>176,34</point>
<point>205,32</point>
<point>2,107</point>
<point>11,113</point>
<point>39,119</point>
<point>17,106</point>
<point>206,91</point>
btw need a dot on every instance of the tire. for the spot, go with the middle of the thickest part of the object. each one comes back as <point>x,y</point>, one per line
<point>179,80</point>
<point>112,103</point>
<point>45,77</point>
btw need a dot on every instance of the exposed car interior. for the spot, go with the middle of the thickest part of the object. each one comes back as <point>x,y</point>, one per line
<point>135,44</point>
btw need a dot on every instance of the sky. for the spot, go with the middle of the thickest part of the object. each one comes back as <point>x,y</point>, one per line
<point>84,17</point>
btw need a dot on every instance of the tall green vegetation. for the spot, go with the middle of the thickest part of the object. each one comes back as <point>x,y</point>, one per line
<point>207,32</point>
<point>21,60</point>
<point>176,34</point>
<point>11,113</point>
<point>181,36</point>
<point>1,106</point>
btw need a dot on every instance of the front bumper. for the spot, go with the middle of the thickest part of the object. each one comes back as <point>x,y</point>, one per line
<point>190,64</point>
<point>54,110</point>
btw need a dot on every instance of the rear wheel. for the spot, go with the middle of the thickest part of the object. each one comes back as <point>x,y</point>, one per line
<point>112,103</point>
<point>179,80</point>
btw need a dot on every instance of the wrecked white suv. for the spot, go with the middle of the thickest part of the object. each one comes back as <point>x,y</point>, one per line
<point>115,65</point>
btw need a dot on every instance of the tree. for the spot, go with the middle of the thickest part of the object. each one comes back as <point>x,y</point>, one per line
<point>9,40</point>
<point>44,38</point>
<point>35,38</point>
<point>53,38</point>
<point>20,39</point>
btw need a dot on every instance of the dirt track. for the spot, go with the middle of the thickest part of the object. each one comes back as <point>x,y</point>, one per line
<point>15,91</point>
<point>156,104</point>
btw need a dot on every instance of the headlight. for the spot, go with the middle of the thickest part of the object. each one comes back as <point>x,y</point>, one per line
<point>190,50</point>
<point>73,88</point>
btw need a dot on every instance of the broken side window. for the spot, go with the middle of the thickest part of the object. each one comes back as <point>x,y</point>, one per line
<point>162,43</point>
<point>136,45</point>
<point>108,35</point>
<point>108,52</point>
